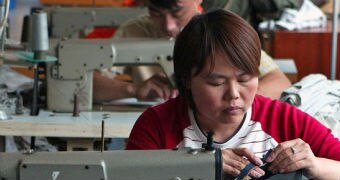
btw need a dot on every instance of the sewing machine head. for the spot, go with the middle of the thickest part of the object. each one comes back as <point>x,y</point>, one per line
<point>73,21</point>
<point>132,164</point>
<point>77,58</point>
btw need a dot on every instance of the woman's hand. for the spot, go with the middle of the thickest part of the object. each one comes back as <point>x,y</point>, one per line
<point>293,155</point>
<point>234,160</point>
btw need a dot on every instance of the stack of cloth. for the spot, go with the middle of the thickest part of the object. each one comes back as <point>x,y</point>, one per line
<point>308,16</point>
<point>319,97</point>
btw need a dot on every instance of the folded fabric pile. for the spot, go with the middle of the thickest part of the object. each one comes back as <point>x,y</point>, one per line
<point>319,97</point>
<point>308,16</point>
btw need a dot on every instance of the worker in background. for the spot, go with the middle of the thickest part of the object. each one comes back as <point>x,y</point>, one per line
<point>216,59</point>
<point>165,20</point>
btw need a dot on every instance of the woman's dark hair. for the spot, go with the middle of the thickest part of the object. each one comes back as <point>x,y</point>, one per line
<point>211,32</point>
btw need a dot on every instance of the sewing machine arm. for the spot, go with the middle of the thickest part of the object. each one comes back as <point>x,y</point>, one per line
<point>77,58</point>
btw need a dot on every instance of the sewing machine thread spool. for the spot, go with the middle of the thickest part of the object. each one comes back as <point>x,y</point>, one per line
<point>26,33</point>
<point>39,34</point>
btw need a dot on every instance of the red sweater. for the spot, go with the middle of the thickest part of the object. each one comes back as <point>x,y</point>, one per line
<point>267,123</point>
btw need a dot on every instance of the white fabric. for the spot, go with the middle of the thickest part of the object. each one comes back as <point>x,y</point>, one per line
<point>14,81</point>
<point>308,16</point>
<point>319,97</point>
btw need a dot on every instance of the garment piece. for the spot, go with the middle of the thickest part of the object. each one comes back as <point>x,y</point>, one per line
<point>312,93</point>
<point>305,90</point>
<point>267,123</point>
<point>308,16</point>
<point>319,97</point>
<point>255,11</point>
<point>13,80</point>
<point>143,27</point>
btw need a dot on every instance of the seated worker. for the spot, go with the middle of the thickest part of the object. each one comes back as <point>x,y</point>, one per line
<point>166,18</point>
<point>216,59</point>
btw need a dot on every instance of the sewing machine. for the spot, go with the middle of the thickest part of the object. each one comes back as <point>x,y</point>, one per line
<point>70,21</point>
<point>123,165</point>
<point>186,164</point>
<point>77,58</point>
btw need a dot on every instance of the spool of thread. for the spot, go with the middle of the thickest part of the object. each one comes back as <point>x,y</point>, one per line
<point>39,34</point>
<point>26,34</point>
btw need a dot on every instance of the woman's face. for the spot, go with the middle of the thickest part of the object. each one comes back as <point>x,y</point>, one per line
<point>224,95</point>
